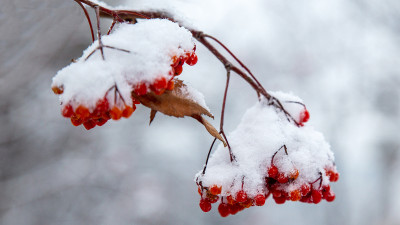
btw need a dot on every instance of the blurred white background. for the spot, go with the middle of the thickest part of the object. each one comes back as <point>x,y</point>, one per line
<point>342,57</point>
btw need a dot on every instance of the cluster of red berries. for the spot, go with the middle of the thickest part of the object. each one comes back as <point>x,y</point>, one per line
<point>277,183</point>
<point>162,84</point>
<point>229,204</point>
<point>103,111</point>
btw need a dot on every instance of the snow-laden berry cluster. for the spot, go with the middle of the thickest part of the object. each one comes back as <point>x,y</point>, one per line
<point>139,58</point>
<point>272,157</point>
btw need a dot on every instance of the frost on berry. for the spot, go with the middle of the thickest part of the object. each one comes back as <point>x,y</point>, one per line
<point>140,58</point>
<point>273,157</point>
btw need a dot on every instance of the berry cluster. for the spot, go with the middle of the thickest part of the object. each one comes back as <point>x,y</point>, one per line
<point>106,109</point>
<point>161,84</point>
<point>102,112</point>
<point>282,186</point>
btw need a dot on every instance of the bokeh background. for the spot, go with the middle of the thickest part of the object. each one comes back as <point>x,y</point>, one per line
<point>341,56</point>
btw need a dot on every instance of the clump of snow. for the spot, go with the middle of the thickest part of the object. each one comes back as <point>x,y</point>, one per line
<point>292,104</point>
<point>193,94</point>
<point>261,133</point>
<point>151,45</point>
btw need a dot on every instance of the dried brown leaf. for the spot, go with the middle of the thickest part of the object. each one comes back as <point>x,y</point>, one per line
<point>210,128</point>
<point>173,103</point>
<point>152,115</point>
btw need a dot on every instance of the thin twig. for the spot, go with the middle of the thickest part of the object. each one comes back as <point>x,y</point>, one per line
<point>87,17</point>
<point>221,127</point>
<point>208,156</point>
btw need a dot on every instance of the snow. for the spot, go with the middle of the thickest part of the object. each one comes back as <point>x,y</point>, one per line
<point>151,45</point>
<point>261,133</point>
<point>193,94</point>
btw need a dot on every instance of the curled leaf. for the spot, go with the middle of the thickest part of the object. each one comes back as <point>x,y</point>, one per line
<point>209,128</point>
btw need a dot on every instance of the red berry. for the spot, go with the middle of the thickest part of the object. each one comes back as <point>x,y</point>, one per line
<point>140,89</point>
<point>241,196</point>
<point>115,113</point>
<point>89,124</point>
<point>101,121</point>
<point>212,198</point>
<point>330,196</point>
<point>57,90</point>
<point>223,209</point>
<point>260,199</point>
<point>316,196</point>
<point>305,116</point>
<point>192,59</point>
<point>127,112</point>
<point>273,172</point>
<point>233,209</point>
<point>295,195</point>
<point>335,177</point>
<point>205,205</point>
<point>215,190</point>
<point>102,105</point>
<point>305,189</point>
<point>294,174</point>
<point>230,200</point>
<point>178,70</point>
<point>76,121</point>
<point>160,83</point>
<point>82,112</point>
<point>280,200</point>
<point>282,178</point>
<point>67,111</point>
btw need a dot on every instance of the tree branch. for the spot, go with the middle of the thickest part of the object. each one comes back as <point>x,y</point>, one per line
<point>131,15</point>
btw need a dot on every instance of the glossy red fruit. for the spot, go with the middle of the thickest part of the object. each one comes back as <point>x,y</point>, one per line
<point>316,196</point>
<point>241,196</point>
<point>230,200</point>
<point>295,195</point>
<point>233,209</point>
<point>224,209</point>
<point>102,105</point>
<point>212,198</point>
<point>160,83</point>
<point>205,205</point>
<point>334,177</point>
<point>259,199</point>
<point>330,196</point>
<point>115,113</point>
<point>282,178</point>
<point>76,121</point>
<point>140,89</point>
<point>273,172</point>
<point>89,124</point>
<point>57,90</point>
<point>280,200</point>
<point>127,112</point>
<point>215,189</point>
<point>67,111</point>
<point>101,121</point>
<point>305,116</point>
<point>178,70</point>
<point>294,174</point>
<point>82,112</point>
<point>192,59</point>
<point>305,189</point>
